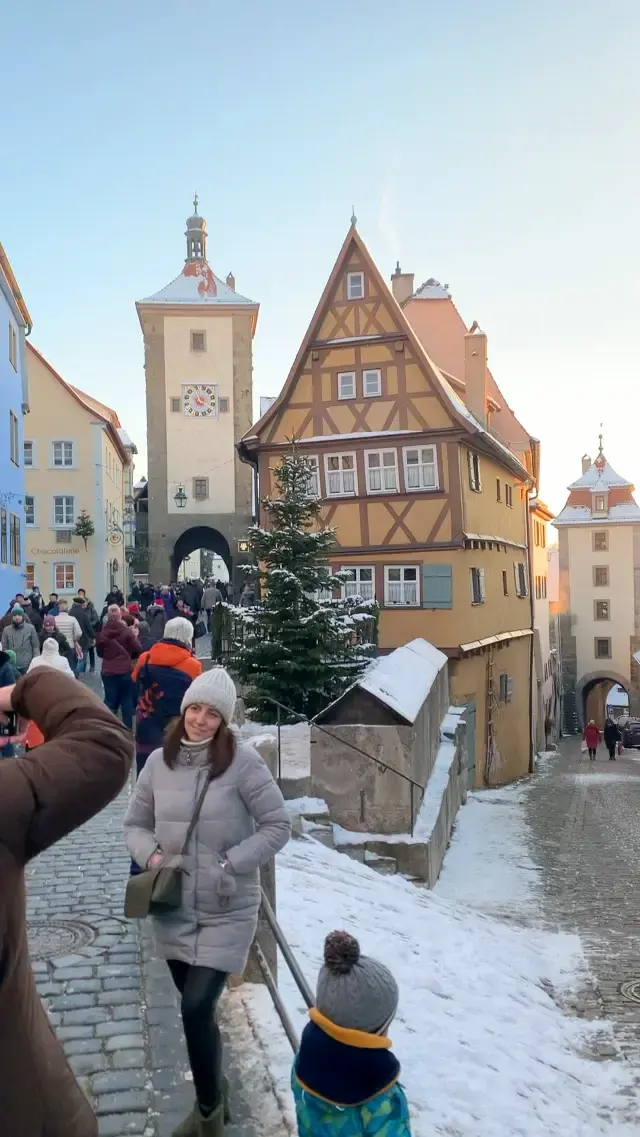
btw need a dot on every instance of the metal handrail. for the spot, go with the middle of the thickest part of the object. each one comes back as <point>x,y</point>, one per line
<point>294,968</point>
<point>365,754</point>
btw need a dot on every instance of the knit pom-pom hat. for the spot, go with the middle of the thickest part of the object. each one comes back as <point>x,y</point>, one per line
<point>215,689</point>
<point>355,991</point>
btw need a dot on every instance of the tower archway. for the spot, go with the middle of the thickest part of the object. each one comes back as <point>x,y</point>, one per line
<point>200,537</point>
<point>591,695</point>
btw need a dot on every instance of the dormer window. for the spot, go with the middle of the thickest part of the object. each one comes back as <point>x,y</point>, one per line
<point>599,503</point>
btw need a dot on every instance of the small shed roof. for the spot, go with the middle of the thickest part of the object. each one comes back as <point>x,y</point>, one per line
<point>401,680</point>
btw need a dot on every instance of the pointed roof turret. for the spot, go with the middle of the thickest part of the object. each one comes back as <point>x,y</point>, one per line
<point>600,496</point>
<point>197,284</point>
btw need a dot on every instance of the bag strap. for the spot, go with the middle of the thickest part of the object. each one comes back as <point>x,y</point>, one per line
<point>196,814</point>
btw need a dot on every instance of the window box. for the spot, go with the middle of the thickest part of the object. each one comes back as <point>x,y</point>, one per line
<point>340,474</point>
<point>401,586</point>
<point>347,385</point>
<point>371,383</point>
<point>420,468</point>
<point>361,583</point>
<point>476,578</point>
<point>355,285</point>
<point>381,469</point>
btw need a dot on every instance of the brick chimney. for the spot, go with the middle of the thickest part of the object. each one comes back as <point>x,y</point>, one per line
<point>475,373</point>
<point>586,463</point>
<point>402,284</point>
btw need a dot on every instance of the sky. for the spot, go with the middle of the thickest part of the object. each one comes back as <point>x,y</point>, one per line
<point>490,144</point>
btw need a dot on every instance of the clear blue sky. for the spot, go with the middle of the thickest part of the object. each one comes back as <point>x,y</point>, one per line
<point>491,144</point>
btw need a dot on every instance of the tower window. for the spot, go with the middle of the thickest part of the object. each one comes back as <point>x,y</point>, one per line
<point>175,405</point>
<point>602,648</point>
<point>223,406</point>
<point>201,489</point>
<point>601,541</point>
<point>198,341</point>
<point>599,503</point>
<point>601,576</point>
<point>602,610</point>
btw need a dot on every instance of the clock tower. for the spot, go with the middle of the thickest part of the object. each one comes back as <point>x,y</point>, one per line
<point>198,335</point>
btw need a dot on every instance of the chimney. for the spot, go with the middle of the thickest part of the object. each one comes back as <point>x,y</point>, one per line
<point>586,463</point>
<point>402,284</point>
<point>475,373</point>
<point>231,281</point>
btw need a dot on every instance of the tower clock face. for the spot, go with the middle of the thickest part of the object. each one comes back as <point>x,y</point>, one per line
<point>199,400</point>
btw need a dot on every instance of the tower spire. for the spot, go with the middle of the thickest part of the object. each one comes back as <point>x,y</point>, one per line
<point>196,234</point>
<point>600,446</point>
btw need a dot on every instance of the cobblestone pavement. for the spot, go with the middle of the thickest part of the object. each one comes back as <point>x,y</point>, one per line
<point>114,1007</point>
<point>584,820</point>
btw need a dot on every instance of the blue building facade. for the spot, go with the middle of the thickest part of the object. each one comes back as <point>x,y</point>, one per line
<point>15,324</point>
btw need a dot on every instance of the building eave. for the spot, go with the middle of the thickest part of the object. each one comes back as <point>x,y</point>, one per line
<point>14,288</point>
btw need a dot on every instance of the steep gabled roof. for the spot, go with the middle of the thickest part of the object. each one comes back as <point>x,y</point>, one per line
<point>442,388</point>
<point>599,478</point>
<point>197,284</point>
<point>85,401</point>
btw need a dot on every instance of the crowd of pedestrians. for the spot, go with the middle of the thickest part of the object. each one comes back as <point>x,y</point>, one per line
<point>204,816</point>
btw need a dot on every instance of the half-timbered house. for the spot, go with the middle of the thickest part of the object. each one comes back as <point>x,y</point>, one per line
<point>429,507</point>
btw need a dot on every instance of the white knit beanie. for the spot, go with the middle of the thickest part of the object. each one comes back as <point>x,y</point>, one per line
<point>215,689</point>
<point>179,628</point>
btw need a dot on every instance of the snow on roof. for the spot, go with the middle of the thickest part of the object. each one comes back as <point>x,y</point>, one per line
<point>402,680</point>
<point>432,290</point>
<point>625,513</point>
<point>125,440</point>
<point>599,477</point>
<point>197,284</point>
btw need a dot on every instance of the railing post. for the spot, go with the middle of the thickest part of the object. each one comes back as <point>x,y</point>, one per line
<point>264,936</point>
<point>279,744</point>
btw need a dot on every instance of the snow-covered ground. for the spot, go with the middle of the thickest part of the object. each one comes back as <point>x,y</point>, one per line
<point>485,1050</point>
<point>295,745</point>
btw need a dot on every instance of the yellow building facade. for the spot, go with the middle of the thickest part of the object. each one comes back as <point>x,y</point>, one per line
<point>430,509</point>
<point>76,457</point>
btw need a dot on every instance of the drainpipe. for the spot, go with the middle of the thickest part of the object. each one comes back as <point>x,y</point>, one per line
<point>532,746</point>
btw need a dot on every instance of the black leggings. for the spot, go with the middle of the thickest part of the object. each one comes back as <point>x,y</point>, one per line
<point>200,988</point>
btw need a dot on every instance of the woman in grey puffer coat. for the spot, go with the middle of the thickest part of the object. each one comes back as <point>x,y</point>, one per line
<point>243,822</point>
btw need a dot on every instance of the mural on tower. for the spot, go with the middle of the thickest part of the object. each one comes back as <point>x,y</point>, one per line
<point>198,338</point>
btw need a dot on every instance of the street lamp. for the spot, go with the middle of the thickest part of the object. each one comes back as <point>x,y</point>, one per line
<point>180,497</point>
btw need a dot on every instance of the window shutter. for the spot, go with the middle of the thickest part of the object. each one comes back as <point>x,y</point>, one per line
<point>479,482</point>
<point>481,577</point>
<point>437,586</point>
<point>470,464</point>
<point>516,576</point>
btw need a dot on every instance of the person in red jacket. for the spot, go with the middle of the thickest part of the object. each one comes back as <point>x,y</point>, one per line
<point>592,738</point>
<point>118,646</point>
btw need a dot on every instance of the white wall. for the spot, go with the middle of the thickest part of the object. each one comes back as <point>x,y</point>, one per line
<point>620,594</point>
<point>200,447</point>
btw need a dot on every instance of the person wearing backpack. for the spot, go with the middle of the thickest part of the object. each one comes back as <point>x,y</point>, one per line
<point>162,676</point>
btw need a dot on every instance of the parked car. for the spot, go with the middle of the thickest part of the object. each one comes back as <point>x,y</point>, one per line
<point>631,734</point>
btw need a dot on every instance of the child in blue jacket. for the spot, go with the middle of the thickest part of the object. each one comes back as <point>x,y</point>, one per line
<point>345,1078</point>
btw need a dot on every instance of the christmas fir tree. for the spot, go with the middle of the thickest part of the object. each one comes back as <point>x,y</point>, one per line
<point>84,527</point>
<point>298,649</point>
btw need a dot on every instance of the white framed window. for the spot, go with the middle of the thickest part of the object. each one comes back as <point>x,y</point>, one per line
<point>475,479</point>
<point>62,454</point>
<point>28,453</point>
<point>599,503</point>
<point>355,285</point>
<point>361,582</point>
<point>371,383</point>
<point>313,481</point>
<point>321,595</point>
<point>64,511</point>
<point>14,439</point>
<point>29,509</point>
<point>476,577</point>
<point>64,576</point>
<point>401,586</point>
<point>347,385</point>
<point>340,472</point>
<point>381,468</point>
<point>420,468</point>
<point>13,345</point>
<point>521,578</point>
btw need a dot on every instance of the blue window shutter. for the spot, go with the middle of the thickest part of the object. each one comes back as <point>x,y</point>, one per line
<point>437,586</point>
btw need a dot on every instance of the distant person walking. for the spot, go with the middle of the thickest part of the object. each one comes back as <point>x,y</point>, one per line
<point>592,738</point>
<point>118,646</point>
<point>612,737</point>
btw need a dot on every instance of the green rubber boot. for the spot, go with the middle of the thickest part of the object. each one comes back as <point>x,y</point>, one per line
<point>224,1090</point>
<point>189,1127</point>
<point>212,1126</point>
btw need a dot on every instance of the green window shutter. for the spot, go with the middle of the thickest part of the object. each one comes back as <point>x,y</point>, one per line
<point>437,586</point>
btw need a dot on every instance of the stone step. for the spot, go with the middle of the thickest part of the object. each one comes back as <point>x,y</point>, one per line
<point>321,833</point>
<point>295,787</point>
<point>385,866</point>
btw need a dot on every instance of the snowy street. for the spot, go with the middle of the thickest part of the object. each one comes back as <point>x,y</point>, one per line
<point>509,1022</point>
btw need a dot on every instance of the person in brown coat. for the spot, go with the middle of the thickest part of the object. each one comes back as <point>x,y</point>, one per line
<point>82,764</point>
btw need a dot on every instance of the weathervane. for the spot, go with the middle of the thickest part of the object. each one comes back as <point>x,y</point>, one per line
<point>354,219</point>
<point>195,202</point>
<point>601,449</point>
